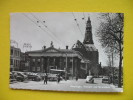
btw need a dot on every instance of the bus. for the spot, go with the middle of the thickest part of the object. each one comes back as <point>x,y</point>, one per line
<point>53,74</point>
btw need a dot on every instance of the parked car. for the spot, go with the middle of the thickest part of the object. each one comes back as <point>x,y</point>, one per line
<point>89,79</point>
<point>34,76</point>
<point>106,79</point>
<point>12,78</point>
<point>100,77</point>
<point>116,80</point>
<point>42,75</point>
<point>52,77</point>
<point>19,76</point>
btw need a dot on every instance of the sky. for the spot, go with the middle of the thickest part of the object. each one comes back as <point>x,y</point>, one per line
<point>39,29</point>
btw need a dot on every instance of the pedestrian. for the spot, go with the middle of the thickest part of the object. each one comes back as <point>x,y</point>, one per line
<point>58,78</point>
<point>76,78</point>
<point>45,79</point>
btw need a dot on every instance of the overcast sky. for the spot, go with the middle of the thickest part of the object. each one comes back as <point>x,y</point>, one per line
<point>61,29</point>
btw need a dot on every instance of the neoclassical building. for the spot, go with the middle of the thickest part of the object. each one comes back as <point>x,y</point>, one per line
<point>52,59</point>
<point>81,60</point>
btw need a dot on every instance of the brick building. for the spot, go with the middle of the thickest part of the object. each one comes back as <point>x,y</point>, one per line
<point>90,65</point>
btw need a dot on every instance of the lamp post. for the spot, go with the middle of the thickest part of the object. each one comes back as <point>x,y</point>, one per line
<point>66,68</point>
<point>72,66</point>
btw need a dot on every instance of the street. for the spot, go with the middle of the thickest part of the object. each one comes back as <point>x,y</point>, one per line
<point>69,85</point>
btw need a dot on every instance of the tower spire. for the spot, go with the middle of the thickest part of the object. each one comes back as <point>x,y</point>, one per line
<point>88,33</point>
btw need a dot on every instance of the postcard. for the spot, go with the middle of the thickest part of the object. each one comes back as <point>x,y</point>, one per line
<point>66,51</point>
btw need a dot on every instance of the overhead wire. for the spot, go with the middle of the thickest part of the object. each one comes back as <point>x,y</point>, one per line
<point>84,18</point>
<point>77,23</point>
<point>38,20</point>
<point>38,26</point>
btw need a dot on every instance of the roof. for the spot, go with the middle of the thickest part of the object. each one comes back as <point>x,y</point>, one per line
<point>60,50</point>
<point>84,47</point>
<point>51,51</point>
<point>90,47</point>
<point>34,51</point>
<point>12,47</point>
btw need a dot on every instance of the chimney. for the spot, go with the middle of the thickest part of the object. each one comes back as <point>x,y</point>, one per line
<point>44,47</point>
<point>67,47</point>
<point>100,64</point>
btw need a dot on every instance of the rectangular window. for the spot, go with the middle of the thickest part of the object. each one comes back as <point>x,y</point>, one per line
<point>16,52</point>
<point>11,52</point>
<point>38,61</point>
<point>11,61</point>
<point>14,63</point>
<point>65,59</point>
<point>33,60</point>
<point>38,69</point>
<point>42,59</point>
<point>71,59</point>
<point>18,63</point>
<point>19,53</point>
<point>33,68</point>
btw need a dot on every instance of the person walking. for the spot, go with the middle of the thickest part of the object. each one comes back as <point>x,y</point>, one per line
<point>45,79</point>
<point>58,78</point>
<point>76,78</point>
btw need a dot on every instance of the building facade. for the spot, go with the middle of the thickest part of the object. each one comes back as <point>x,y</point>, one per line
<point>90,65</point>
<point>15,57</point>
<point>51,59</point>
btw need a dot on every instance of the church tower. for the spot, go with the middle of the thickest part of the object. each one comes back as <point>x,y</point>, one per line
<point>88,33</point>
<point>89,51</point>
<point>92,51</point>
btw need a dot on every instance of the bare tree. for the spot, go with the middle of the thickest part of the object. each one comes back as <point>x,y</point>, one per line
<point>110,33</point>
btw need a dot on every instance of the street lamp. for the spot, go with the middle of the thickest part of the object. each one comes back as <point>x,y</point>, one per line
<point>72,66</point>
<point>66,68</point>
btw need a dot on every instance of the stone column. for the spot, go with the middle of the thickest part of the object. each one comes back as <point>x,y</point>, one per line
<point>42,64</point>
<point>72,68</point>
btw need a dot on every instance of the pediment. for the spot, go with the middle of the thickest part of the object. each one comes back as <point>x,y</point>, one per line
<point>51,50</point>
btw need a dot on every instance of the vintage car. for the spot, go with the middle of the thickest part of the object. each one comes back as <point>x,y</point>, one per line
<point>106,79</point>
<point>52,77</point>
<point>89,79</point>
<point>12,78</point>
<point>33,76</point>
<point>19,76</point>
